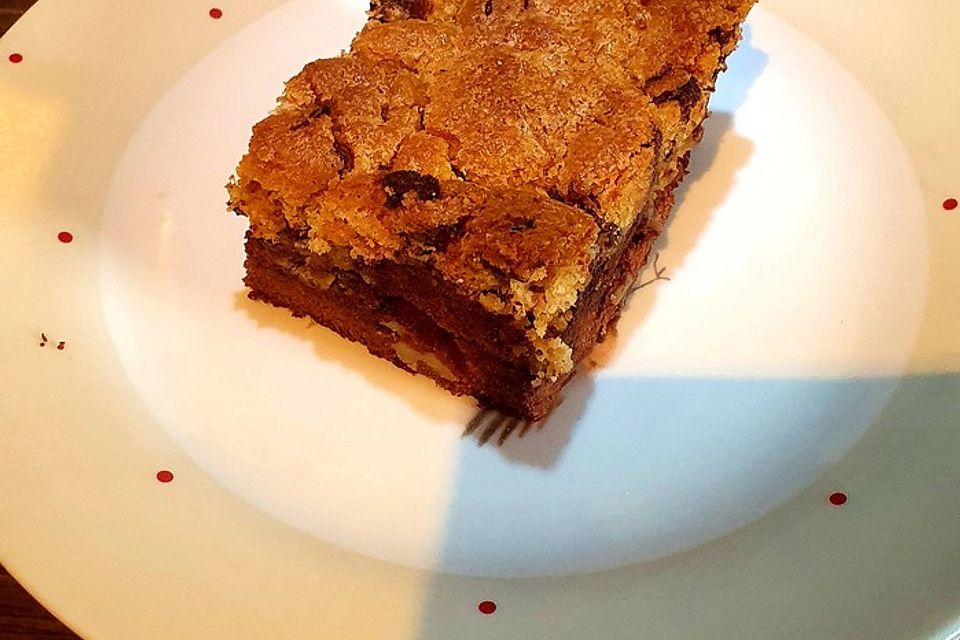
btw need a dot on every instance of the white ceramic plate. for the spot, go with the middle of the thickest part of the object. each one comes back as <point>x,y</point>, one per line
<point>193,465</point>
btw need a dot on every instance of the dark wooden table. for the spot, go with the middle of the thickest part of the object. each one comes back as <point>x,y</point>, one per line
<point>10,10</point>
<point>22,617</point>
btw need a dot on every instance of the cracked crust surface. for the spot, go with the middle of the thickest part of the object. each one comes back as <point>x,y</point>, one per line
<point>506,144</point>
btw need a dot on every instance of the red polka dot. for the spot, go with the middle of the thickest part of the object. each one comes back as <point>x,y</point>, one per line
<point>950,204</point>
<point>487,607</point>
<point>16,58</point>
<point>165,476</point>
<point>838,498</point>
<point>216,13</point>
<point>65,237</point>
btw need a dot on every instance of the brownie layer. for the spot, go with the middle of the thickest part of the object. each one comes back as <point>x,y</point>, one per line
<point>406,314</point>
<point>374,305</point>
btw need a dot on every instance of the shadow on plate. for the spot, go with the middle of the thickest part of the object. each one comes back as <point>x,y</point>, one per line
<point>784,546</point>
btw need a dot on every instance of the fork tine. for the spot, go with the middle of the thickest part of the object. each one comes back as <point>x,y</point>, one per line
<point>512,423</point>
<point>478,419</point>
<point>490,421</point>
<point>523,430</point>
<point>489,432</point>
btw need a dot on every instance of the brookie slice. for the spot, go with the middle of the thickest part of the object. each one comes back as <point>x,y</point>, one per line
<point>473,188</point>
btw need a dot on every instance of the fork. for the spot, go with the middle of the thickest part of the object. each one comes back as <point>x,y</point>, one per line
<point>489,421</point>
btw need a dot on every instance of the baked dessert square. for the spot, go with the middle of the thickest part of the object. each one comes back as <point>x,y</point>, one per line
<point>472,189</point>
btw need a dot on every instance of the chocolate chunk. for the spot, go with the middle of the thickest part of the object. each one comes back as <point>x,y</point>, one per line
<point>722,36</point>
<point>439,238</point>
<point>391,10</point>
<point>686,95</point>
<point>399,183</point>
<point>521,225</point>
<point>590,205</point>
